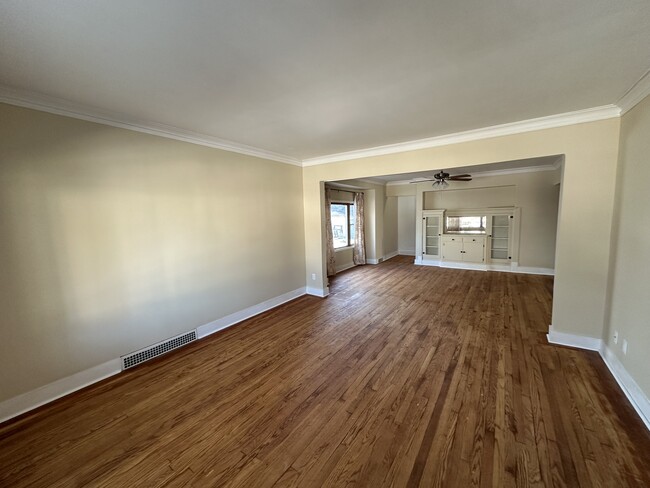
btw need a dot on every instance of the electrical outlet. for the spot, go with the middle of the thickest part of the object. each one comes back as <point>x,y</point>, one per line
<point>624,346</point>
<point>615,337</point>
<point>313,276</point>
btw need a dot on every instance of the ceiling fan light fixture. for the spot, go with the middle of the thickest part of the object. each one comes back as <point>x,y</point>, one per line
<point>440,184</point>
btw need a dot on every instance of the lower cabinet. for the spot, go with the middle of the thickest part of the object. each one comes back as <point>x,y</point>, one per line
<point>463,249</point>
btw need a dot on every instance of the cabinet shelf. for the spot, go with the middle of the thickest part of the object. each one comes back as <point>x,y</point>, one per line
<point>500,237</point>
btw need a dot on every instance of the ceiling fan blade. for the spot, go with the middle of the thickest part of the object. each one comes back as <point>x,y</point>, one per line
<point>457,178</point>
<point>461,176</point>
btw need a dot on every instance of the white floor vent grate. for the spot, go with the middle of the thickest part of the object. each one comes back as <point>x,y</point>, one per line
<point>156,350</point>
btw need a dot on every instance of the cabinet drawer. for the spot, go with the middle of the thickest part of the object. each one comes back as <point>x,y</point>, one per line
<point>452,239</point>
<point>479,239</point>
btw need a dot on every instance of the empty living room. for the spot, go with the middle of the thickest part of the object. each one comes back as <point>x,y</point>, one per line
<point>324,244</point>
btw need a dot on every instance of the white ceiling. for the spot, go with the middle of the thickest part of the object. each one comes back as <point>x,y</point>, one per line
<point>308,78</point>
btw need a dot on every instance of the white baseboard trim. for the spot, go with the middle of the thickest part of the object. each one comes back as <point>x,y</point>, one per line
<point>372,261</point>
<point>573,340</point>
<point>344,267</point>
<point>318,292</point>
<point>504,268</point>
<point>461,265</point>
<point>406,252</point>
<point>234,318</point>
<point>45,394</point>
<point>631,389</point>
<point>390,255</point>
<point>532,270</point>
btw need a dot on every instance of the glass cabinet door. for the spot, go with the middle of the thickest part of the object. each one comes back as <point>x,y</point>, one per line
<point>500,237</point>
<point>432,235</point>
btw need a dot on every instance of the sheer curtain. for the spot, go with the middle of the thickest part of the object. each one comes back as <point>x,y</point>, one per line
<point>359,251</point>
<point>329,238</point>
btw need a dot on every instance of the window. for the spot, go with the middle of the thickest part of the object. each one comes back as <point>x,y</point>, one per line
<point>343,224</point>
<point>466,225</point>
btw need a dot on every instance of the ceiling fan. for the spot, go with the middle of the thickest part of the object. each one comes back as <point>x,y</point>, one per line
<point>441,179</point>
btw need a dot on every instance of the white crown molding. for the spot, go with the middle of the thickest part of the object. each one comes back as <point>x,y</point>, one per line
<point>498,172</point>
<point>634,95</point>
<point>549,122</point>
<point>514,171</point>
<point>402,182</point>
<point>58,106</point>
<point>44,103</point>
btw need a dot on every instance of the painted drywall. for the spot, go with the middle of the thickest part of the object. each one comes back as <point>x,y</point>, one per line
<point>629,311</point>
<point>343,259</point>
<point>390,226</point>
<point>478,193</point>
<point>535,193</point>
<point>400,190</point>
<point>406,224</point>
<point>112,240</point>
<point>584,230</point>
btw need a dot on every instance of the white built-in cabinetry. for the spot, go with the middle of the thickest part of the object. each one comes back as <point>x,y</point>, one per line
<point>431,231</point>
<point>467,249</point>
<point>497,248</point>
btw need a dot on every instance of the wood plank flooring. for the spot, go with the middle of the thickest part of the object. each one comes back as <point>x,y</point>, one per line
<point>404,376</point>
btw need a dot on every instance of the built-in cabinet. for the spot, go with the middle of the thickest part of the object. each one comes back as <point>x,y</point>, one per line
<point>468,249</point>
<point>431,231</point>
<point>495,246</point>
<point>500,237</point>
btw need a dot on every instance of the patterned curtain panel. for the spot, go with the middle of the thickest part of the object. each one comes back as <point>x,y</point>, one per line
<point>329,238</point>
<point>359,251</point>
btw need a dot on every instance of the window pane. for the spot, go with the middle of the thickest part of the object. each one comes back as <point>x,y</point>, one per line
<point>339,225</point>
<point>467,225</point>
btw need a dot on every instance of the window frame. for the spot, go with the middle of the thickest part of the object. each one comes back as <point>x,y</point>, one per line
<point>468,231</point>
<point>350,223</point>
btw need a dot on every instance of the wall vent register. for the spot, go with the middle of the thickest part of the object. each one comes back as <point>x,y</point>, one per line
<point>156,350</point>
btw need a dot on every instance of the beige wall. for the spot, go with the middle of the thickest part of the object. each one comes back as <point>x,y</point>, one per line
<point>401,190</point>
<point>629,312</point>
<point>390,225</point>
<point>343,259</point>
<point>583,240</point>
<point>537,195</point>
<point>112,240</point>
<point>406,224</point>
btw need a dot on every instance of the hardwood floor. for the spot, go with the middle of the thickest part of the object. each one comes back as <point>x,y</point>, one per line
<point>404,376</point>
